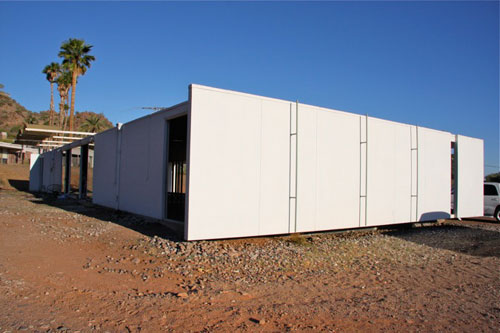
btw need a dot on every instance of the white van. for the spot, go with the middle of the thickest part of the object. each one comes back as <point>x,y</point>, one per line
<point>492,200</point>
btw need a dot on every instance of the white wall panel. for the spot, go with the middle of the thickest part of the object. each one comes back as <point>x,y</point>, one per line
<point>363,170</point>
<point>328,169</point>
<point>128,172</point>
<point>434,174</point>
<point>338,176</point>
<point>306,169</point>
<point>35,173</point>
<point>142,176</point>
<point>139,190</point>
<point>389,172</point>
<point>57,173</point>
<point>239,165</point>
<point>105,166</point>
<point>274,165</point>
<point>46,173</point>
<point>293,164</point>
<point>470,176</point>
<point>52,171</point>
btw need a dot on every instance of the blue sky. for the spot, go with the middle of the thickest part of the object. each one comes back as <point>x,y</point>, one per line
<point>434,64</point>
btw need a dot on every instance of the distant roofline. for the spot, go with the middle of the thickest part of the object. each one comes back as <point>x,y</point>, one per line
<point>19,146</point>
<point>38,126</point>
<point>56,131</point>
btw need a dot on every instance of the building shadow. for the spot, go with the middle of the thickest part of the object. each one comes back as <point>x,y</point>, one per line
<point>480,220</point>
<point>434,216</point>
<point>464,239</point>
<point>147,226</point>
<point>20,185</point>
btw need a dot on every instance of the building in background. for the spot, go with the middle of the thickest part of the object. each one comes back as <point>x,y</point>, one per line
<point>11,153</point>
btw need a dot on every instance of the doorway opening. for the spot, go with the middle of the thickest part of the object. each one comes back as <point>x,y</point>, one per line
<point>77,171</point>
<point>176,169</point>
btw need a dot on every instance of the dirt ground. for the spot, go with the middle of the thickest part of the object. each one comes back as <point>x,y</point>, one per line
<point>68,266</point>
<point>14,176</point>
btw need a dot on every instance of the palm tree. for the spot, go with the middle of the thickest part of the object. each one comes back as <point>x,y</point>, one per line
<point>63,86</point>
<point>75,53</point>
<point>52,72</point>
<point>65,118</point>
<point>92,124</point>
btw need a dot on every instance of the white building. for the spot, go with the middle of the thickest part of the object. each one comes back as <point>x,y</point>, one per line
<point>227,164</point>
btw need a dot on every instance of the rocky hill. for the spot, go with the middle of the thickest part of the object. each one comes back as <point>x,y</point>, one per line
<point>13,116</point>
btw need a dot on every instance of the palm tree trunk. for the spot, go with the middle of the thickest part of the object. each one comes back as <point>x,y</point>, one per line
<point>65,121</point>
<point>73,88</point>
<point>67,101</point>
<point>61,112</point>
<point>51,112</point>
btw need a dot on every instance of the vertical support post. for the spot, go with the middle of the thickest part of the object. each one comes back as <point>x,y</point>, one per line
<point>84,163</point>
<point>296,158</point>
<point>118,164</point>
<point>456,208</point>
<point>363,170</point>
<point>292,169</point>
<point>414,174</point>
<point>416,205</point>
<point>67,172</point>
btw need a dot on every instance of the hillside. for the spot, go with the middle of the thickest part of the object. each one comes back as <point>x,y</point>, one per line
<point>13,116</point>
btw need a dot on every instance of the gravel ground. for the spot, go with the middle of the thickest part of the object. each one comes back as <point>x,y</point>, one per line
<point>124,273</point>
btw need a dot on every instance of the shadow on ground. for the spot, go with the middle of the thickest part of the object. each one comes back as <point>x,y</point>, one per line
<point>480,219</point>
<point>147,226</point>
<point>20,185</point>
<point>461,237</point>
<point>466,237</point>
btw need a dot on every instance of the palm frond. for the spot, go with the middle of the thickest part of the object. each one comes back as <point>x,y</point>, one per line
<point>93,124</point>
<point>52,71</point>
<point>75,55</point>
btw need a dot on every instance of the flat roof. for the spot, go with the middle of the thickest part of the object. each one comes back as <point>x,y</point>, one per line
<point>47,136</point>
<point>18,147</point>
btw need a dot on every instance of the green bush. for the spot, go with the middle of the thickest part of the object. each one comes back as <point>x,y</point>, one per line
<point>494,177</point>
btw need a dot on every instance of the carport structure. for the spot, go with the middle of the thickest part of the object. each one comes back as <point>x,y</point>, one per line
<point>226,164</point>
<point>51,171</point>
<point>48,137</point>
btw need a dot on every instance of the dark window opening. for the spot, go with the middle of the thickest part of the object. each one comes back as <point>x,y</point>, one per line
<point>490,190</point>
<point>176,169</point>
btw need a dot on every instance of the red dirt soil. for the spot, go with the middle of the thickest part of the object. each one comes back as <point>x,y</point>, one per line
<point>63,269</point>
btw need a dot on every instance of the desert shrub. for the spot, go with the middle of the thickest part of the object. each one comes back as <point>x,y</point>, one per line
<point>298,239</point>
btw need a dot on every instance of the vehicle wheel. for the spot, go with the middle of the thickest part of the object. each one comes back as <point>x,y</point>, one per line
<point>497,214</point>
